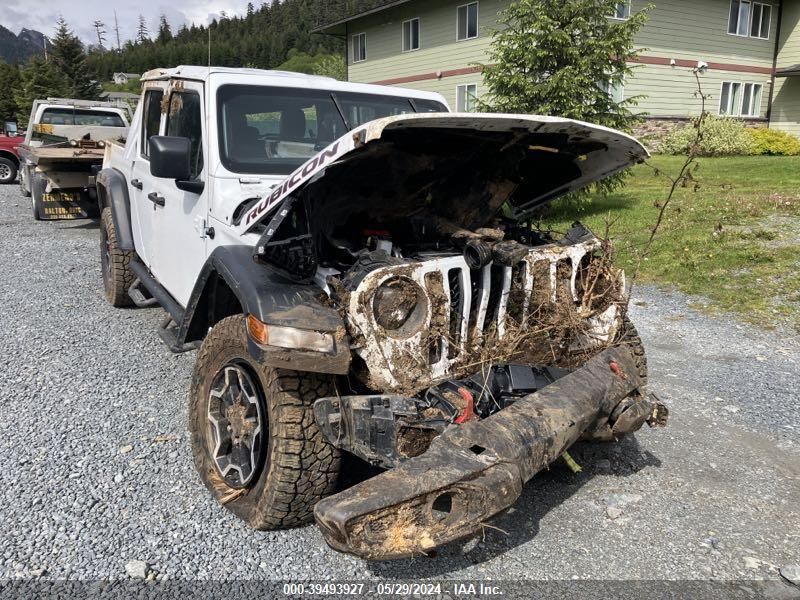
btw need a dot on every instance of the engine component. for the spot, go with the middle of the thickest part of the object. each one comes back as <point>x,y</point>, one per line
<point>365,263</point>
<point>509,252</point>
<point>385,430</point>
<point>500,385</point>
<point>477,253</point>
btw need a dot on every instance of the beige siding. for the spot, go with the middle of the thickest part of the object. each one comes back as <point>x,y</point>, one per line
<point>786,102</point>
<point>685,30</point>
<point>447,86</point>
<point>439,50</point>
<point>698,30</point>
<point>670,91</point>
<point>789,46</point>
<point>786,105</point>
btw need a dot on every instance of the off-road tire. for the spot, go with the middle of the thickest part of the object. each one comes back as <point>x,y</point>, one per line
<point>26,193</point>
<point>299,466</point>
<point>8,170</point>
<point>115,263</point>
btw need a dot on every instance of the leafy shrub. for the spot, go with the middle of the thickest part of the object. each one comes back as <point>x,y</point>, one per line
<point>773,142</point>
<point>722,136</point>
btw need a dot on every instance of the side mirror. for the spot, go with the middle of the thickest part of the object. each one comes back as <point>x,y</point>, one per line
<point>170,157</point>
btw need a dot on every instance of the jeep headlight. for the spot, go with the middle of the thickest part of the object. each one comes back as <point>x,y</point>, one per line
<point>400,306</point>
<point>290,337</point>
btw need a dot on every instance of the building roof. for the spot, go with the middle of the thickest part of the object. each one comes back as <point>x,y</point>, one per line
<point>339,27</point>
<point>792,71</point>
<point>129,75</point>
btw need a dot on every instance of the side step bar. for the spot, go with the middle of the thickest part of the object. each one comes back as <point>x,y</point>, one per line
<point>169,335</point>
<point>139,299</point>
<point>474,471</point>
<point>159,295</point>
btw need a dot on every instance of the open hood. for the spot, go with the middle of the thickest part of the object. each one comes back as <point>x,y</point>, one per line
<point>468,163</point>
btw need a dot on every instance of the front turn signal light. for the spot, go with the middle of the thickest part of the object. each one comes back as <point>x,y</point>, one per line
<point>289,337</point>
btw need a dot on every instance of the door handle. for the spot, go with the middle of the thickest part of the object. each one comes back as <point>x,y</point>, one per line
<point>156,199</point>
<point>137,184</point>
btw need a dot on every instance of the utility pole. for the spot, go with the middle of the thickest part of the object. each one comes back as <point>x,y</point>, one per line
<point>116,29</point>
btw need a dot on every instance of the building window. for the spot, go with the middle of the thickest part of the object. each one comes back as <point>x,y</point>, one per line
<point>359,47</point>
<point>410,35</point>
<point>622,10</point>
<point>750,19</point>
<point>467,21</point>
<point>466,97</point>
<point>751,100</point>
<point>729,98</point>
<point>740,99</point>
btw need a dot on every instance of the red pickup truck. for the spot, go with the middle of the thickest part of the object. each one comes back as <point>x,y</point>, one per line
<point>10,139</point>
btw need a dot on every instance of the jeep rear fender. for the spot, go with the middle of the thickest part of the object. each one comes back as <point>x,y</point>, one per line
<point>112,191</point>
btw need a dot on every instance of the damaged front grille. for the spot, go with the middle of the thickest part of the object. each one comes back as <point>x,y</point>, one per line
<point>465,311</point>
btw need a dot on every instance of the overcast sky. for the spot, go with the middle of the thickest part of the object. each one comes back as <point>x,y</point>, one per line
<point>80,14</point>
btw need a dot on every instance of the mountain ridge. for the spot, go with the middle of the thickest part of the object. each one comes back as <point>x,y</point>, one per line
<point>18,48</point>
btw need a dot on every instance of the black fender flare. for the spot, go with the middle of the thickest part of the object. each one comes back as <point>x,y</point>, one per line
<point>271,299</point>
<point>112,191</point>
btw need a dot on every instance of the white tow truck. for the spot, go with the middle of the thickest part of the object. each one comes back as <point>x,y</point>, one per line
<point>62,150</point>
<point>356,267</point>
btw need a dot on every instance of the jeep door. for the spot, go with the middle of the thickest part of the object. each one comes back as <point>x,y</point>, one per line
<point>141,182</point>
<point>179,217</point>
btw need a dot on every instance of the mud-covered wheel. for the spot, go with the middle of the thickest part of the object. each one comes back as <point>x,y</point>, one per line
<point>117,274</point>
<point>255,442</point>
<point>8,170</point>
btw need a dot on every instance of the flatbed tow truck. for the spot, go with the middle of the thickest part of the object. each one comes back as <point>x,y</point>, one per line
<point>63,149</point>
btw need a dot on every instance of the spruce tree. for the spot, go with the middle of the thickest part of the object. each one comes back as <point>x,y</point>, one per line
<point>69,58</point>
<point>142,33</point>
<point>38,79</point>
<point>164,30</point>
<point>553,57</point>
<point>9,80</point>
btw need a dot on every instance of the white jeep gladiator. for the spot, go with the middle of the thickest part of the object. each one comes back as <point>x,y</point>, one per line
<point>360,272</point>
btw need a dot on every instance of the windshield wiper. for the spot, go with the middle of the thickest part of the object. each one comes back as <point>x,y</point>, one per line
<point>341,112</point>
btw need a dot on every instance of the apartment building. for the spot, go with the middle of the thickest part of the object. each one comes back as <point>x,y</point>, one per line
<point>751,49</point>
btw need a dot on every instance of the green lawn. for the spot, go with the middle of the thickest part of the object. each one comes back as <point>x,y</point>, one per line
<point>736,240</point>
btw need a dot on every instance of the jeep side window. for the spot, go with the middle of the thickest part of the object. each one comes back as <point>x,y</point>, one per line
<point>184,120</point>
<point>152,117</point>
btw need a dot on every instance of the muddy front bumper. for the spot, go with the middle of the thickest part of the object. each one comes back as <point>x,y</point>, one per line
<point>474,471</point>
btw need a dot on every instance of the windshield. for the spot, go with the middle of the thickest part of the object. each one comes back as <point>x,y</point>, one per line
<point>274,130</point>
<point>77,116</point>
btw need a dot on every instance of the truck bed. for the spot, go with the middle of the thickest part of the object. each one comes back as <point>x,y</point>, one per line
<point>39,155</point>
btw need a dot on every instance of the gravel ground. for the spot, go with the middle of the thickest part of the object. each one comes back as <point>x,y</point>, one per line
<point>97,471</point>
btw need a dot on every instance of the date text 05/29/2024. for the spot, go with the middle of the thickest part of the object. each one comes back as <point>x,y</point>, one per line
<point>449,589</point>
